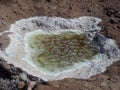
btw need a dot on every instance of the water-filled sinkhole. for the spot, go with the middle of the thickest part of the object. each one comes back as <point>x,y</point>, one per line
<point>59,51</point>
<point>54,48</point>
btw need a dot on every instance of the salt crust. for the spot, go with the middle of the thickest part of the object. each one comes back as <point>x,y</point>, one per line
<point>16,53</point>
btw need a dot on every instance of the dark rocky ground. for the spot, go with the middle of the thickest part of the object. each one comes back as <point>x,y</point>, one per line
<point>12,78</point>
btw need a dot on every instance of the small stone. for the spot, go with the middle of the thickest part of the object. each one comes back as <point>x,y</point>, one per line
<point>6,66</point>
<point>21,84</point>
<point>23,76</point>
<point>33,78</point>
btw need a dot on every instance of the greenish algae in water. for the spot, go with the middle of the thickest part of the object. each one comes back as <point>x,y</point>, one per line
<point>55,52</point>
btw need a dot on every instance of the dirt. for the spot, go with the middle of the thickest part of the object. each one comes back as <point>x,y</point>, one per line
<point>12,78</point>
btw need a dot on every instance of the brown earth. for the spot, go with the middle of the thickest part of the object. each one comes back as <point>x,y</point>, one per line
<point>12,78</point>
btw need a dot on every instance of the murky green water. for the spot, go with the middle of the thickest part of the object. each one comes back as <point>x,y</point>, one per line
<point>58,51</point>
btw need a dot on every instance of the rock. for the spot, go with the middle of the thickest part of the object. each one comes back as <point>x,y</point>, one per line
<point>6,66</point>
<point>33,78</point>
<point>6,84</point>
<point>30,85</point>
<point>21,84</point>
<point>107,46</point>
<point>45,87</point>
<point>23,76</point>
<point>0,45</point>
<point>43,82</point>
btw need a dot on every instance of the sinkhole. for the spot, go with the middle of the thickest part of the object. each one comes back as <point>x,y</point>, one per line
<point>54,48</point>
<point>58,51</point>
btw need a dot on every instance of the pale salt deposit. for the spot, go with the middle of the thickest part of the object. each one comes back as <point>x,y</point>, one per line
<point>19,53</point>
